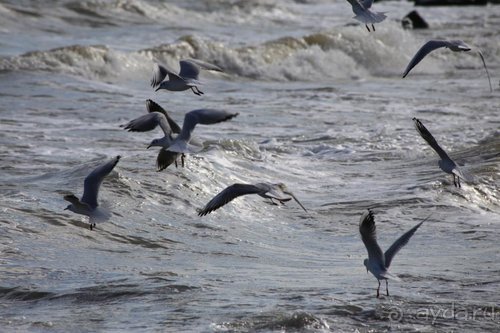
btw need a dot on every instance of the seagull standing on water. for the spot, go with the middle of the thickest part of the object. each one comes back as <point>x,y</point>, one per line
<point>363,13</point>
<point>454,45</point>
<point>186,79</point>
<point>378,262</point>
<point>278,192</point>
<point>445,163</point>
<point>88,204</point>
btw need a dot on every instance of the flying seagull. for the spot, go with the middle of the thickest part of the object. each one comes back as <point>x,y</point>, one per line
<point>278,192</point>
<point>363,13</point>
<point>378,263</point>
<point>158,116</point>
<point>186,79</point>
<point>88,204</point>
<point>454,45</point>
<point>445,163</point>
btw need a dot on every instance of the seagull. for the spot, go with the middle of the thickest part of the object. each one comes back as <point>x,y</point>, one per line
<point>277,192</point>
<point>186,79</point>
<point>157,116</point>
<point>88,204</point>
<point>183,143</point>
<point>363,13</point>
<point>445,163</point>
<point>454,45</point>
<point>378,263</point>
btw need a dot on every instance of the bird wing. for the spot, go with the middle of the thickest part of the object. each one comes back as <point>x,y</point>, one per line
<point>205,65</point>
<point>357,7</point>
<point>228,194</point>
<point>369,237</point>
<point>160,72</point>
<point>93,182</point>
<point>424,133</point>
<point>189,70</point>
<point>398,244</point>
<point>191,119</point>
<point>486,69</point>
<point>152,106</point>
<point>149,122</point>
<point>165,158</point>
<point>366,3</point>
<point>424,50</point>
<point>76,202</point>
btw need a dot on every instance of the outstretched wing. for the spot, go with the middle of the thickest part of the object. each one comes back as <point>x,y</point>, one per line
<point>427,136</point>
<point>189,70</point>
<point>152,106</point>
<point>191,119</point>
<point>227,195</point>
<point>160,72</point>
<point>398,244</point>
<point>149,122</point>
<point>369,237</point>
<point>93,182</point>
<point>424,50</point>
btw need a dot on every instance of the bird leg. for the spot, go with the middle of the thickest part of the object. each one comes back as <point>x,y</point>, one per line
<point>387,287</point>
<point>373,27</point>
<point>195,92</point>
<point>366,25</point>
<point>183,156</point>
<point>456,181</point>
<point>378,289</point>
<point>92,226</point>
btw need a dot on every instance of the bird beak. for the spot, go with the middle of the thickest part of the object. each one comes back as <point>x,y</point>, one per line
<point>367,270</point>
<point>157,89</point>
<point>148,147</point>
<point>66,208</point>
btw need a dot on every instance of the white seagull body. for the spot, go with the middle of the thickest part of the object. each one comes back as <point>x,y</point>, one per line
<point>278,192</point>
<point>363,13</point>
<point>445,163</point>
<point>454,45</point>
<point>378,262</point>
<point>88,205</point>
<point>186,79</point>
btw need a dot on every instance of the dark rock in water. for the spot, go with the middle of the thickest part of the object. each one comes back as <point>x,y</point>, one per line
<point>413,20</point>
<point>450,2</point>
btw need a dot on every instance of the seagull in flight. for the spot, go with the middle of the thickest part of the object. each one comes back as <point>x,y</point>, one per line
<point>172,147</point>
<point>278,192</point>
<point>88,205</point>
<point>157,116</point>
<point>378,262</point>
<point>186,79</point>
<point>454,45</point>
<point>445,163</point>
<point>363,13</point>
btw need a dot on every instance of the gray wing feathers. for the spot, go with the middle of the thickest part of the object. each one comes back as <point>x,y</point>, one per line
<point>423,51</point>
<point>149,122</point>
<point>204,117</point>
<point>427,136</point>
<point>228,194</point>
<point>93,182</point>
<point>369,236</point>
<point>398,244</point>
<point>165,158</point>
<point>151,106</point>
<point>189,70</point>
<point>159,74</point>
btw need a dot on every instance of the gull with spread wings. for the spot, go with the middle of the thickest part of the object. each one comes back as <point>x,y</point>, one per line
<point>186,79</point>
<point>445,163</point>
<point>363,13</point>
<point>278,192</point>
<point>88,205</point>
<point>378,262</point>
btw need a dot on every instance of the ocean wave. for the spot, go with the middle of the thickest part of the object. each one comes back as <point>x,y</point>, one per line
<point>342,53</point>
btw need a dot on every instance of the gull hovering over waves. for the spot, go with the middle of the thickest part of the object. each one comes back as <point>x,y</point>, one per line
<point>157,116</point>
<point>278,192</point>
<point>363,13</point>
<point>182,143</point>
<point>186,79</point>
<point>454,45</point>
<point>378,263</point>
<point>88,204</point>
<point>445,163</point>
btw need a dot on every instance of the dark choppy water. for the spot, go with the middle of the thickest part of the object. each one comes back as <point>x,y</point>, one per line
<point>322,108</point>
